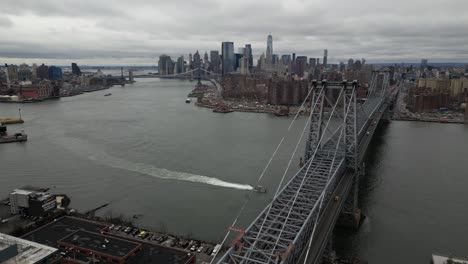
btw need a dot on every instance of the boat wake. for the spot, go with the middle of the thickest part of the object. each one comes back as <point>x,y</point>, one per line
<point>83,148</point>
<point>164,173</point>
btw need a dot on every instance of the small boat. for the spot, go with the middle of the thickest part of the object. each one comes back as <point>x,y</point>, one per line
<point>188,100</point>
<point>260,189</point>
<point>17,137</point>
<point>108,94</point>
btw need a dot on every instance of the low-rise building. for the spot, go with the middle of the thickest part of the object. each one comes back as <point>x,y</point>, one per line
<point>15,250</point>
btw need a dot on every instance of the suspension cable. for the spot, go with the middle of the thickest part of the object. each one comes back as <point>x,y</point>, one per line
<point>263,173</point>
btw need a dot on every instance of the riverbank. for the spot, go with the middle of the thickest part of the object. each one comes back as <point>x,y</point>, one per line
<point>210,99</point>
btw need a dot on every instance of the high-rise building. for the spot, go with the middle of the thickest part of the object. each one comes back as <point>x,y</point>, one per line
<point>190,61</point>
<point>312,63</point>
<point>228,60</point>
<point>293,64</point>
<point>24,74</point>
<point>238,57</point>
<point>34,71</point>
<point>325,58</point>
<point>423,64</point>
<point>215,61</point>
<point>274,59</point>
<point>350,64</point>
<point>301,65</point>
<point>75,69</point>
<point>269,50</point>
<point>180,64</point>
<point>244,65</point>
<point>205,57</point>
<point>248,54</point>
<point>165,65</point>
<point>196,60</point>
<point>43,72</point>
<point>286,59</point>
<point>13,72</point>
<point>55,73</point>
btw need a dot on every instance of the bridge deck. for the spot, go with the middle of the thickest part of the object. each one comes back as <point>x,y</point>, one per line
<point>281,232</point>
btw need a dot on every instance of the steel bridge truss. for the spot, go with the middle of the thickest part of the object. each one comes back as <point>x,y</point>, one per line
<point>282,230</point>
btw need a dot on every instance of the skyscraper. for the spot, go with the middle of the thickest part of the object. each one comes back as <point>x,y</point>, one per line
<point>228,60</point>
<point>215,61</point>
<point>165,65</point>
<point>196,60</point>
<point>301,64</point>
<point>248,54</point>
<point>325,58</point>
<point>269,51</point>
<point>180,64</point>
<point>205,57</point>
<point>312,63</point>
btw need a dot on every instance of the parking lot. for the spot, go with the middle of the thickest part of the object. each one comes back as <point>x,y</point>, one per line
<point>203,250</point>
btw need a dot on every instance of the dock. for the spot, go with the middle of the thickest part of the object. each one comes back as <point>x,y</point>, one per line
<point>442,259</point>
<point>9,121</point>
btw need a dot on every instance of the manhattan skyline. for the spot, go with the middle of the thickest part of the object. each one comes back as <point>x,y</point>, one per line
<point>137,32</point>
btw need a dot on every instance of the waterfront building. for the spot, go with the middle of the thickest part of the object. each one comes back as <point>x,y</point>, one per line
<point>269,50</point>
<point>228,59</point>
<point>165,65</point>
<point>325,58</point>
<point>55,73</point>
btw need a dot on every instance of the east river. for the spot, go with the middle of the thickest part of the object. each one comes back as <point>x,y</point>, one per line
<point>187,170</point>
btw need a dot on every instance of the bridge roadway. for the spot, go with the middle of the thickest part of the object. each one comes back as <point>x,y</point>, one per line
<point>282,231</point>
<point>333,208</point>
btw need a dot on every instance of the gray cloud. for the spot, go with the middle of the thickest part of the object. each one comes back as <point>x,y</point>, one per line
<point>138,30</point>
<point>5,22</point>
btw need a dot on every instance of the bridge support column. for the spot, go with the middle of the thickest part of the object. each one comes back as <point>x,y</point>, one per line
<point>351,216</point>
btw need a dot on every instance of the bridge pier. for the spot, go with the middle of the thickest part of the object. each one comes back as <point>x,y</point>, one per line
<point>351,216</point>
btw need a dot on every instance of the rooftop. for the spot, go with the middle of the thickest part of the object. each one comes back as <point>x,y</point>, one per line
<point>101,244</point>
<point>28,252</point>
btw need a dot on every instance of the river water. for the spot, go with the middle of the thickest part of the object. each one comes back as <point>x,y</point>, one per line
<point>187,170</point>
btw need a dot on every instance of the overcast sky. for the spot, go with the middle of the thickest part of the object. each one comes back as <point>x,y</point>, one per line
<point>136,32</point>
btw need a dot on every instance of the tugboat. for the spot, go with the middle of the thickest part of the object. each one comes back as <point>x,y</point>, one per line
<point>108,94</point>
<point>17,137</point>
